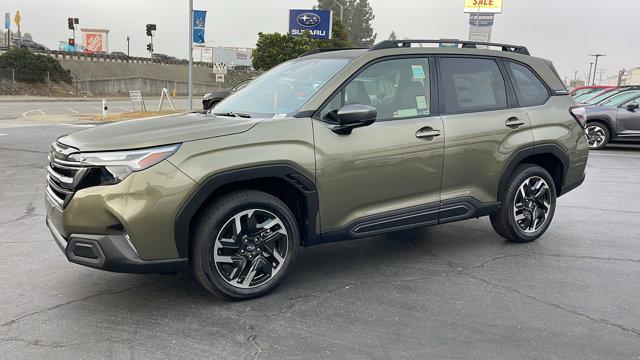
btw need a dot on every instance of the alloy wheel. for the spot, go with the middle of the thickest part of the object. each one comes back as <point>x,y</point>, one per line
<point>250,248</point>
<point>532,204</point>
<point>595,136</point>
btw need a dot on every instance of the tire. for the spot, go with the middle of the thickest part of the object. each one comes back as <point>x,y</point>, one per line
<point>598,135</point>
<point>252,262</point>
<point>527,206</point>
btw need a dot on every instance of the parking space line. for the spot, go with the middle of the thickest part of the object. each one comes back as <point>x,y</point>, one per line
<point>78,125</point>
<point>3,134</point>
<point>70,109</point>
<point>24,114</point>
<point>620,155</point>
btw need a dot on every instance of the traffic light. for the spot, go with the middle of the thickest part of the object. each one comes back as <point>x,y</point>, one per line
<point>150,47</point>
<point>72,42</point>
<point>150,28</point>
<point>70,23</point>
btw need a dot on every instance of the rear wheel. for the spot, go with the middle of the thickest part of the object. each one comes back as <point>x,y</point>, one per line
<point>528,205</point>
<point>244,245</point>
<point>598,135</point>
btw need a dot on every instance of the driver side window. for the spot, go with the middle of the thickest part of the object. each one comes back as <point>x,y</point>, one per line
<point>398,88</point>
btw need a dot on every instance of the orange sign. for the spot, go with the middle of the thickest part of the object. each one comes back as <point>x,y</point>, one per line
<point>93,42</point>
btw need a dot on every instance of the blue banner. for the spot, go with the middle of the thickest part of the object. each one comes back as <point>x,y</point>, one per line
<point>316,22</point>
<point>7,21</point>
<point>199,17</point>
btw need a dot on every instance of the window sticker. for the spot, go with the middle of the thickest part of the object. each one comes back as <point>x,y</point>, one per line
<point>406,113</point>
<point>421,102</point>
<point>418,71</point>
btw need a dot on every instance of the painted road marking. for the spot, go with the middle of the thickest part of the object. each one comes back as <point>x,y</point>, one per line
<point>24,114</point>
<point>619,155</point>
<point>3,134</point>
<point>70,109</point>
<point>78,125</point>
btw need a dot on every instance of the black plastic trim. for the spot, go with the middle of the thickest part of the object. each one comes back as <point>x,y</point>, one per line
<point>113,254</point>
<point>566,188</point>
<point>418,216</point>
<point>286,172</point>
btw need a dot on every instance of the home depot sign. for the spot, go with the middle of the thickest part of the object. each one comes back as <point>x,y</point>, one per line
<point>95,40</point>
<point>483,6</point>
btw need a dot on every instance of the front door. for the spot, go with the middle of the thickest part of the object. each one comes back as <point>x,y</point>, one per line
<point>629,120</point>
<point>387,175</point>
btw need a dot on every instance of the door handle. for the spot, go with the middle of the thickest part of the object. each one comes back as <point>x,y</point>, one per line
<point>427,133</point>
<point>514,122</point>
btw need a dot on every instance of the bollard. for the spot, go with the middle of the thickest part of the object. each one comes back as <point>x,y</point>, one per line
<point>104,108</point>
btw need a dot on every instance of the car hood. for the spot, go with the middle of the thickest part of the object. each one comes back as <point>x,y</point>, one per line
<point>135,134</point>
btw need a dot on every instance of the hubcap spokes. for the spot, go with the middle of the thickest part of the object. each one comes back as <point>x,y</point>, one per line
<point>532,204</point>
<point>595,136</point>
<point>250,248</point>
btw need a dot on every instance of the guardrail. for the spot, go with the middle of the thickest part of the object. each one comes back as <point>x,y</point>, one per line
<point>57,54</point>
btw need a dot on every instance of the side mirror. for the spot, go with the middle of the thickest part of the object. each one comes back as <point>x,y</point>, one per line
<point>353,116</point>
<point>633,106</point>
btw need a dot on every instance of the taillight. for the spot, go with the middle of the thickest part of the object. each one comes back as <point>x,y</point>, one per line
<point>579,113</point>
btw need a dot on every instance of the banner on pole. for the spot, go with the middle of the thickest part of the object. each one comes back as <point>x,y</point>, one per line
<point>199,18</point>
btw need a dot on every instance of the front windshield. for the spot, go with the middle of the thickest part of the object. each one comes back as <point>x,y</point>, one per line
<point>620,98</point>
<point>587,96</point>
<point>282,90</point>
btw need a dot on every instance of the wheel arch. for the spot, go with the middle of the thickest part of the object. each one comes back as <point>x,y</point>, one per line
<point>287,183</point>
<point>606,121</point>
<point>551,157</point>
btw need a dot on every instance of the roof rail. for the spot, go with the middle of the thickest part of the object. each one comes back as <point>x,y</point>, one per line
<point>323,50</point>
<point>392,44</point>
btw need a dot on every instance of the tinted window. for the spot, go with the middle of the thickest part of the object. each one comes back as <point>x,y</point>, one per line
<point>472,85</point>
<point>529,89</point>
<point>396,88</point>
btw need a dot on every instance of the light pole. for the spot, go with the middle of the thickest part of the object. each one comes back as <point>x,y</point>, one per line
<point>190,55</point>
<point>595,67</point>
<point>589,78</point>
<point>128,41</point>
<point>341,9</point>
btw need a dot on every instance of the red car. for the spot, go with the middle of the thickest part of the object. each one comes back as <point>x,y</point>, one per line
<point>587,89</point>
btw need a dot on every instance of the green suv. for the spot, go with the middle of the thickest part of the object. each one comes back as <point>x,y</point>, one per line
<point>332,146</point>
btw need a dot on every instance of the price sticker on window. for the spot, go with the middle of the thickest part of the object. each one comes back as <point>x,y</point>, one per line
<point>418,71</point>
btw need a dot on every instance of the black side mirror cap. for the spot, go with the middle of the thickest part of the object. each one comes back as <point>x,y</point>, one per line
<point>353,116</point>
<point>633,106</point>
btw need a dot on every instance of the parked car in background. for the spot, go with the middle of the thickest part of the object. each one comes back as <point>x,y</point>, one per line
<point>615,119</point>
<point>29,45</point>
<point>608,94</point>
<point>584,97</point>
<point>212,99</point>
<point>580,90</point>
<point>119,54</point>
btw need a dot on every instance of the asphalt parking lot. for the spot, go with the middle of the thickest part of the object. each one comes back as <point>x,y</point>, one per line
<point>455,291</point>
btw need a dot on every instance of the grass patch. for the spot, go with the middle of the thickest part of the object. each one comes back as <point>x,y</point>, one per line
<point>130,115</point>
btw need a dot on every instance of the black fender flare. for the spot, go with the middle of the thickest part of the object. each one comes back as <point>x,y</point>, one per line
<point>524,153</point>
<point>608,121</point>
<point>288,173</point>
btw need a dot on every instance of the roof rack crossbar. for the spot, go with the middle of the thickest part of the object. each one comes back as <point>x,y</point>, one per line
<point>323,50</point>
<point>392,44</point>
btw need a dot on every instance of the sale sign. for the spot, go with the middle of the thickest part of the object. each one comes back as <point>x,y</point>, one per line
<point>93,42</point>
<point>483,6</point>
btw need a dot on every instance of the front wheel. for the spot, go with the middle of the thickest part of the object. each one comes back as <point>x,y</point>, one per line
<point>244,245</point>
<point>527,206</point>
<point>598,136</point>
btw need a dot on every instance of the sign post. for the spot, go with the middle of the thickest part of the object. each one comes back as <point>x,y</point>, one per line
<point>191,55</point>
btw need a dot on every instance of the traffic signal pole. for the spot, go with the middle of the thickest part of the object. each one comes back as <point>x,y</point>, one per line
<point>190,55</point>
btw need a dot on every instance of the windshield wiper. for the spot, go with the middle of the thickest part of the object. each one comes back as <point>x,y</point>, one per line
<point>233,114</point>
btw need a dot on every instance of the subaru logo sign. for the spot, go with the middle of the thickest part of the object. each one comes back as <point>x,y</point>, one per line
<point>314,23</point>
<point>308,19</point>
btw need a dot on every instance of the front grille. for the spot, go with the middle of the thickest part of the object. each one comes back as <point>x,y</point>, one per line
<point>63,175</point>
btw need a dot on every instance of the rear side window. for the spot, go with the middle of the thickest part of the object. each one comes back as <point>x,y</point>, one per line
<point>529,89</point>
<point>472,85</point>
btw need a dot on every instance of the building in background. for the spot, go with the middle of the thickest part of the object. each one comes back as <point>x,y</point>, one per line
<point>95,40</point>
<point>629,77</point>
<point>232,57</point>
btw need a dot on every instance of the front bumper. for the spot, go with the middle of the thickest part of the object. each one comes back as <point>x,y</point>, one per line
<point>111,253</point>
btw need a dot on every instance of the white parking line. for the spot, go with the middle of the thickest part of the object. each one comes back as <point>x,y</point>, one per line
<point>78,125</point>
<point>24,114</point>
<point>618,155</point>
<point>70,109</point>
<point>3,134</point>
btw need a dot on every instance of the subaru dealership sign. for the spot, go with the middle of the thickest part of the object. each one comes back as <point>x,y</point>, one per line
<point>316,22</point>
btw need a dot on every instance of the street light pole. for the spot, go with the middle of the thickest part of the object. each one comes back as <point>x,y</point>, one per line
<point>595,67</point>
<point>589,78</point>
<point>128,41</point>
<point>190,55</point>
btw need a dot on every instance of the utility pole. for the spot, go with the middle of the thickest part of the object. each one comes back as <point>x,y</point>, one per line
<point>128,41</point>
<point>341,9</point>
<point>602,71</point>
<point>620,75</point>
<point>575,75</point>
<point>190,55</point>
<point>595,67</point>
<point>589,78</point>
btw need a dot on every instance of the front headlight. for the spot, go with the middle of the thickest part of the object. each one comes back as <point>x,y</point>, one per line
<point>117,165</point>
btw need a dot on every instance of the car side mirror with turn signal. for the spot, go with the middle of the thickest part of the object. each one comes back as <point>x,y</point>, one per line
<point>353,116</point>
<point>633,106</point>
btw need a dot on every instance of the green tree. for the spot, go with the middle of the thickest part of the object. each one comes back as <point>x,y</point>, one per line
<point>27,36</point>
<point>275,48</point>
<point>357,18</point>
<point>393,36</point>
<point>33,68</point>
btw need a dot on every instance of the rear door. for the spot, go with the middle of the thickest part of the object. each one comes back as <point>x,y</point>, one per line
<point>483,127</point>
